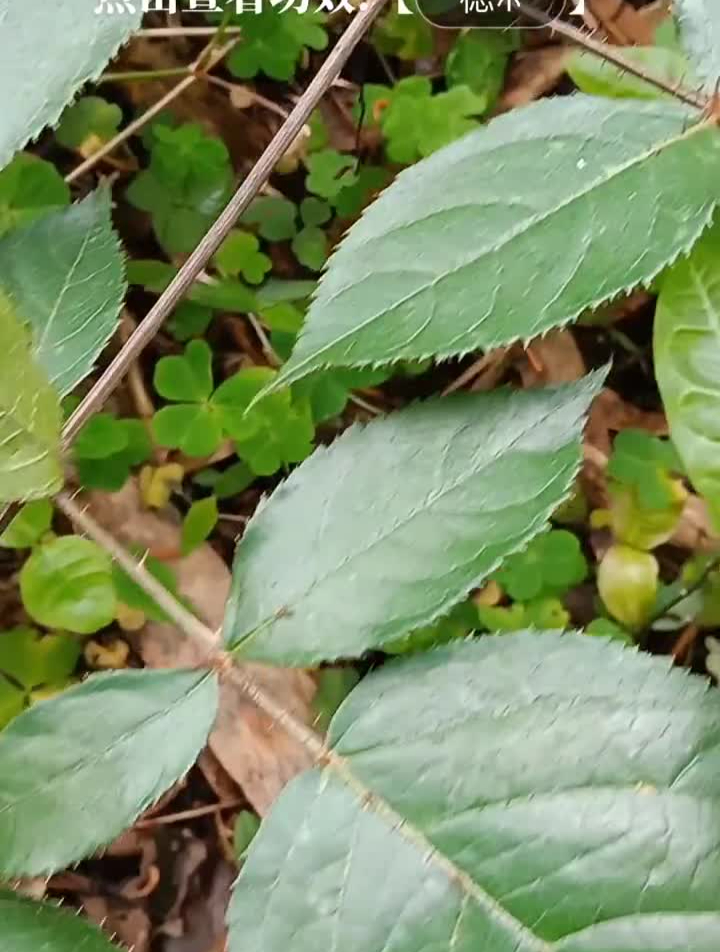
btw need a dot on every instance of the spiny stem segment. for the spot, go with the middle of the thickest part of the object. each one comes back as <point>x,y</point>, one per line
<point>612,55</point>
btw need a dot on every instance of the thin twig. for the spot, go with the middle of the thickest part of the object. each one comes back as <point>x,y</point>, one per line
<point>175,610</point>
<point>259,175</point>
<point>182,815</point>
<point>137,124</point>
<point>609,53</point>
<point>190,31</point>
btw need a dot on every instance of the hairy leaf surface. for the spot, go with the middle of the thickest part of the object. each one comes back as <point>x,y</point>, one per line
<point>30,926</point>
<point>687,362</point>
<point>398,520</point>
<point>512,230</point>
<point>29,417</point>
<point>65,275</point>
<point>519,793</point>
<point>75,771</point>
<point>47,52</point>
<point>699,22</point>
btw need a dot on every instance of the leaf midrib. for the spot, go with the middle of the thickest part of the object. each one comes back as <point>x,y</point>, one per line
<point>288,606</point>
<point>296,369</point>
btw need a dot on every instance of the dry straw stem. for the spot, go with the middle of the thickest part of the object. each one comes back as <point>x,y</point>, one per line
<point>249,188</point>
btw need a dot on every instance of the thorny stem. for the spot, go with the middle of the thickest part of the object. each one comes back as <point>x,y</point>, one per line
<point>609,53</point>
<point>249,188</point>
<point>191,626</point>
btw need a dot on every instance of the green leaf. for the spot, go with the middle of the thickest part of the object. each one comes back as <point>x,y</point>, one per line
<point>67,583</point>
<point>35,660</point>
<point>530,793</point>
<point>190,427</point>
<point>699,22</point>
<point>597,77</point>
<point>643,461</point>
<point>110,471</point>
<point>29,926</point>
<point>224,294</point>
<point>310,247</point>
<point>275,217</point>
<point>186,186</point>
<point>333,686</point>
<point>29,525</point>
<point>76,45</point>
<point>102,436</point>
<point>188,377</point>
<point>407,37</point>
<point>274,41</point>
<point>240,254</point>
<point>275,431</point>
<point>29,418</point>
<point>73,301</point>
<point>29,188</point>
<point>418,124</point>
<point>397,521</point>
<point>229,482</point>
<point>246,826</point>
<point>687,362</point>
<point>551,565</point>
<point>478,60</point>
<point>189,320</point>
<point>329,172</point>
<point>75,771</point>
<point>91,117</point>
<point>199,522</point>
<point>314,211</point>
<point>563,229</point>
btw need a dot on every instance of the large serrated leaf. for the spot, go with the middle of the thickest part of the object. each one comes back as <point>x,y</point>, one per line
<point>519,793</point>
<point>513,230</point>
<point>687,362</point>
<point>699,22</point>
<point>29,417</point>
<point>47,52</point>
<point>30,926</point>
<point>398,520</point>
<point>64,273</point>
<point>77,770</point>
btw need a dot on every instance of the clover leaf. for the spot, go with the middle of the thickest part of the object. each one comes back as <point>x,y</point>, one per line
<point>107,448</point>
<point>329,172</point>
<point>643,462</point>
<point>187,380</point>
<point>407,37</point>
<point>189,320</point>
<point>187,184</point>
<point>240,254</point>
<point>88,123</point>
<point>310,247</point>
<point>29,188</point>
<point>351,199</point>
<point>274,42</point>
<point>277,431</point>
<point>551,565</point>
<point>275,217</point>
<point>478,60</point>
<point>314,211</point>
